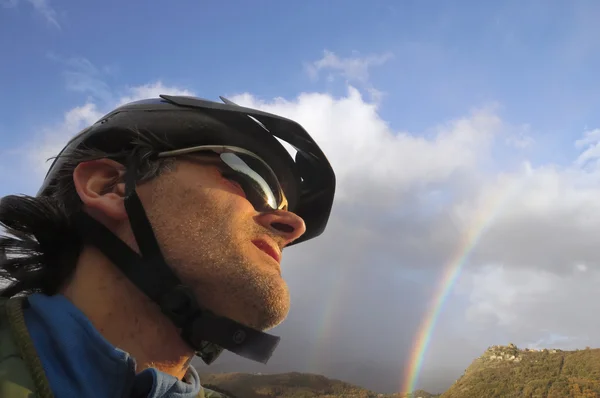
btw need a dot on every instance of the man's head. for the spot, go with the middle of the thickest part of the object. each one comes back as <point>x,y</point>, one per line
<point>212,237</point>
<point>192,201</point>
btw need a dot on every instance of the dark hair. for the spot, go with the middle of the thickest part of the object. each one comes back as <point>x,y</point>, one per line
<point>40,246</point>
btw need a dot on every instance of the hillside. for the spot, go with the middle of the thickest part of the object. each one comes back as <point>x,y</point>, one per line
<point>506,371</point>
<point>291,385</point>
<point>502,371</point>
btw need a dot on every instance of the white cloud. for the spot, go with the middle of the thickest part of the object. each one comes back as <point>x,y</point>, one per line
<point>548,218</point>
<point>496,293</point>
<point>581,267</point>
<point>534,306</point>
<point>366,152</point>
<point>42,7</point>
<point>352,68</point>
<point>53,138</point>
<point>521,138</point>
<point>591,143</point>
<point>82,76</point>
<point>536,270</point>
<point>151,90</point>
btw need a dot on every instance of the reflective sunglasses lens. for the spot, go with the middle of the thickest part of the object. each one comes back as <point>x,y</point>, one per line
<point>256,179</point>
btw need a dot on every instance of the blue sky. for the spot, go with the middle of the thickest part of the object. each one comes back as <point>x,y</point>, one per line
<point>537,62</point>
<point>447,75</point>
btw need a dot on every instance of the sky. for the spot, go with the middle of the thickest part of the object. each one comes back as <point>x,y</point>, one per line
<point>465,138</point>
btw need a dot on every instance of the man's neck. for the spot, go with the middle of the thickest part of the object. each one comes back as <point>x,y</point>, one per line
<point>126,317</point>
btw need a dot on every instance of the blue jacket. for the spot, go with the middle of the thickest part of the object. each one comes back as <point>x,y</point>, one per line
<point>66,356</point>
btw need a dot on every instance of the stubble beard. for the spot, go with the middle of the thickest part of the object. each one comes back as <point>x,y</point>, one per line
<point>211,253</point>
<point>230,282</point>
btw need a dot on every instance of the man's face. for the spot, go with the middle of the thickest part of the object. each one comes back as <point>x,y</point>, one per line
<point>218,244</point>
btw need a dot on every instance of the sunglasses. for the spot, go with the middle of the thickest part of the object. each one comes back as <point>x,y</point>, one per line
<point>256,178</point>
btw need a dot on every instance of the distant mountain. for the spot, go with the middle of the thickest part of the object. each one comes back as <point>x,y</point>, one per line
<point>291,385</point>
<point>506,371</point>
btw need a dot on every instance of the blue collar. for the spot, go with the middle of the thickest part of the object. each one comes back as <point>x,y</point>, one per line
<point>80,362</point>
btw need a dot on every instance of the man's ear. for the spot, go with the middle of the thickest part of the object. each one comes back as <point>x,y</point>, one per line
<point>98,184</point>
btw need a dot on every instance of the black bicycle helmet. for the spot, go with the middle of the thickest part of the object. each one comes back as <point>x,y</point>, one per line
<point>177,122</point>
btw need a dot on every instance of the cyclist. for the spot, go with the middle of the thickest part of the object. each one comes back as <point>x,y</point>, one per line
<point>156,237</point>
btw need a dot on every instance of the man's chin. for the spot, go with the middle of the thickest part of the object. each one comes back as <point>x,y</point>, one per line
<point>266,325</point>
<point>268,315</point>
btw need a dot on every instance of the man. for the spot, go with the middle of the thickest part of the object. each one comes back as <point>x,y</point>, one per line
<point>155,237</point>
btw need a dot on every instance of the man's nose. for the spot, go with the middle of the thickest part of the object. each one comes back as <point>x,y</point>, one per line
<point>284,223</point>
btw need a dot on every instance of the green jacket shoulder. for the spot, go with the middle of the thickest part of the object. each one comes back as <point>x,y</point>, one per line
<point>21,372</point>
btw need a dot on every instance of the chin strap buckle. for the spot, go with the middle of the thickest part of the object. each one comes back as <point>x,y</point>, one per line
<point>209,334</point>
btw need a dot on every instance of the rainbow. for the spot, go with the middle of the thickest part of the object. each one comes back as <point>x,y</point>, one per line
<point>321,353</point>
<point>480,223</point>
